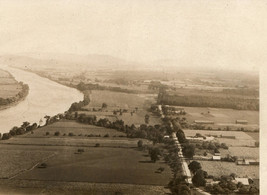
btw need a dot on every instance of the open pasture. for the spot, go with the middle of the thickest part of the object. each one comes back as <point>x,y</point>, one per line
<point>76,141</point>
<point>241,138</point>
<point>238,134</point>
<point>17,159</point>
<point>9,87</point>
<point>118,100</point>
<point>82,188</point>
<point>66,127</point>
<point>218,168</point>
<point>102,165</point>
<point>221,116</point>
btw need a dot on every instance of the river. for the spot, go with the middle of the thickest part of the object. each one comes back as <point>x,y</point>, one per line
<point>45,98</point>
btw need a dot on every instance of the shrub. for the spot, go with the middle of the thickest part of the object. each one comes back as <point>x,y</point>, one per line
<point>57,133</point>
<point>140,144</point>
<point>107,135</point>
<point>43,165</point>
<point>80,150</point>
<point>6,136</point>
<point>47,133</point>
<point>97,145</point>
<point>71,134</point>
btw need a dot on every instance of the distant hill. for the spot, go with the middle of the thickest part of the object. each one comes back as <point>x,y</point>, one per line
<point>67,61</point>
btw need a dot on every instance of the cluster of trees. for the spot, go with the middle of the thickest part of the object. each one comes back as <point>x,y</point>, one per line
<point>154,153</point>
<point>238,103</point>
<point>198,174</point>
<point>78,105</point>
<point>24,128</point>
<point>178,184</point>
<point>90,86</point>
<point>154,133</point>
<point>20,95</point>
<point>227,186</point>
<point>211,146</point>
<point>171,157</point>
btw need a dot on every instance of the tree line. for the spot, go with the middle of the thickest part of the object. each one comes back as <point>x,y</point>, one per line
<point>237,103</point>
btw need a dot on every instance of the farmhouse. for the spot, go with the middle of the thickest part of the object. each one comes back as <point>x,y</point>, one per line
<point>218,158</point>
<point>247,162</point>
<point>211,182</point>
<point>203,122</point>
<point>244,181</point>
<point>243,122</point>
<point>208,138</point>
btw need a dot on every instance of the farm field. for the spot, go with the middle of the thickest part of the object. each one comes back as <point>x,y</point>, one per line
<point>20,158</point>
<point>75,141</point>
<point>83,188</point>
<point>218,168</point>
<point>102,165</point>
<point>241,138</point>
<point>66,127</point>
<point>222,117</point>
<point>254,135</point>
<point>9,87</point>
<point>238,134</point>
<point>117,100</point>
<point>115,167</point>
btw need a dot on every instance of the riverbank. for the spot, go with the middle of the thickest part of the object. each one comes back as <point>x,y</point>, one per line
<point>44,98</point>
<point>12,92</point>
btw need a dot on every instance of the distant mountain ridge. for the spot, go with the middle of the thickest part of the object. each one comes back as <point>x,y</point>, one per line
<point>67,61</point>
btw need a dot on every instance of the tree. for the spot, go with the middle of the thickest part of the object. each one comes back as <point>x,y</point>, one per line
<point>189,150</point>
<point>57,133</point>
<point>140,143</point>
<point>104,105</point>
<point>154,152</point>
<point>181,136</point>
<point>147,119</point>
<point>194,166</point>
<point>199,178</point>
<point>25,124</point>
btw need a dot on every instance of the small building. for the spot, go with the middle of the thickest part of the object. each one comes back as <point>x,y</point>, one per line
<point>211,182</point>
<point>254,162</point>
<point>242,162</point>
<point>216,158</point>
<point>243,122</point>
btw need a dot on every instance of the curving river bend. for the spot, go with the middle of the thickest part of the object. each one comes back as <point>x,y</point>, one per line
<point>45,98</point>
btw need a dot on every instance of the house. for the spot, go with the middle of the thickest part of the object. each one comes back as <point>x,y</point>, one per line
<point>244,181</point>
<point>217,154</point>
<point>211,182</point>
<point>166,137</point>
<point>254,162</point>
<point>216,158</point>
<point>244,122</point>
<point>242,162</point>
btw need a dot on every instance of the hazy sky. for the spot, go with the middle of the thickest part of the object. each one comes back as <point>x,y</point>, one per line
<point>200,33</point>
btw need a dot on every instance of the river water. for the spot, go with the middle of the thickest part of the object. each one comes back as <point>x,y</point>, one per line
<point>45,98</point>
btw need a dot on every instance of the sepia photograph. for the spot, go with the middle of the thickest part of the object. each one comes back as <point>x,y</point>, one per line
<point>132,97</point>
